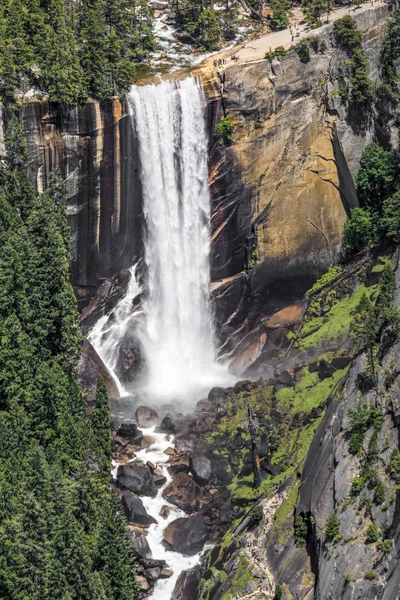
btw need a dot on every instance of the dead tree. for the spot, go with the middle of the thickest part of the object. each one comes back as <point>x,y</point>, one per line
<point>255,451</point>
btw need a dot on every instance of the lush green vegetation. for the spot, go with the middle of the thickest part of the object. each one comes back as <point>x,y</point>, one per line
<point>72,51</point>
<point>62,534</point>
<point>206,27</point>
<point>224,131</point>
<point>361,94</point>
<point>379,192</point>
<point>332,526</point>
<point>388,92</point>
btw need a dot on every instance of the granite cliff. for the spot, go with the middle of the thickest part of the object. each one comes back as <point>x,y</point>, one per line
<point>280,193</point>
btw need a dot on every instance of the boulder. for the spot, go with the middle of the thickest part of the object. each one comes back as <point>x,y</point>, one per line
<point>187,585</point>
<point>186,535</point>
<point>203,405</point>
<point>325,370</point>
<point>134,509</point>
<point>159,477</point>
<point>284,377</point>
<point>142,583</point>
<point>167,425</point>
<point>139,542</point>
<point>130,432</point>
<point>137,478</point>
<point>185,445</point>
<point>340,362</point>
<point>184,492</point>
<point>180,466</point>
<point>147,417</point>
<point>201,469</point>
<point>166,573</point>
<point>164,512</point>
<point>147,441</point>
<point>152,574</point>
<point>218,394</point>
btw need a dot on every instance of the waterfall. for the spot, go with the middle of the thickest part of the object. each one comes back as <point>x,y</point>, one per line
<point>177,335</point>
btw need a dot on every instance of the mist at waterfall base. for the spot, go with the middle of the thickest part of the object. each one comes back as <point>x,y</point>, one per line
<point>167,308</point>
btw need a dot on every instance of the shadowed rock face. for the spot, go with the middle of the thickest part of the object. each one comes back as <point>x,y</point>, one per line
<point>95,150</point>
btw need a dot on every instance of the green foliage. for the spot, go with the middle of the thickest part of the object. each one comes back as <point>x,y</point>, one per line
<point>388,92</point>
<point>314,9</point>
<point>100,428</point>
<point>372,534</point>
<point>278,592</point>
<point>300,531</point>
<point>380,493</point>
<point>256,515</point>
<point>224,131</point>
<point>384,546</point>
<point>332,526</point>
<point>72,51</point>
<point>203,25</point>
<point>348,37</point>
<point>280,19</point>
<point>390,221</point>
<point>346,34</point>
<point>394,465</point>
<point>61,530</point>
<point>303,50</point>
<point>279,51</point>
<point>359,231</point>
<point>377,175</point>
<point>370,575</point>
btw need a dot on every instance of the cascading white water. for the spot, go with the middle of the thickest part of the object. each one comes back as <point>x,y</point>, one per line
<point>169,121</point>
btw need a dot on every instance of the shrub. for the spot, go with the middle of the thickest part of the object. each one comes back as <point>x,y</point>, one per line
<point>303,50</point>
<point>384,546</point>
<point>390,221</point>
<point>357,484</point>
<point>380,493</point>
<point>370,575</point>
<point>346,34</point>
<point>278,592</point>
<point>300,531</point>
<point>280,18</point>
<point>359,232</point>
<point>224,131</point>
<point>256,515</point>
<point>332,526</point>
<point>394,465</point>
<point>279,51</point>
<point>372,534</point>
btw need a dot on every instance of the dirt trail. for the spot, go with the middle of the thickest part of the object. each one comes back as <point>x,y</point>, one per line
<point>254,50</point>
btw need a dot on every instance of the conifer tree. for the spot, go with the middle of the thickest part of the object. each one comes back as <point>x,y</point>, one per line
<point>100,428</point>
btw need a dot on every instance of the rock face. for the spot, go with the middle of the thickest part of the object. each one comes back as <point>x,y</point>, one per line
<point>184,492</point>
<point>283,190</point>
<point>134,509</point>
<point>137,478</point>
<point>187,536</point>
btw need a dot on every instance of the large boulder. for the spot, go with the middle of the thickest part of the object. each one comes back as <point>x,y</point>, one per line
<point>186,535</point>
<point>134,509</point>
<point>201,469</point>
<point>184,492</point>
<point>139,542</point>
<point>137,478</point>
<point>130,432</point>
<point>147,417</point>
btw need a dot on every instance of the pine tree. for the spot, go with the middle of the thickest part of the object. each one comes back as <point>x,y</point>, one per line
<point>94,49</point>
<point>100,428</point>
<point>62,74</point>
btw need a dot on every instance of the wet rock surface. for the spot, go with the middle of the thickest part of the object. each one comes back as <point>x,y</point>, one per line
<point>186,535</point>
<point>137,478</point>
<point>184,492</point>
<point>134,509</point>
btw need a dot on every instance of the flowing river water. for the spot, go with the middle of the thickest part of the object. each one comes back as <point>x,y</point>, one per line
<point>173,320</point>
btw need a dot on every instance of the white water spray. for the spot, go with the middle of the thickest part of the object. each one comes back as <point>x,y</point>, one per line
<point>169,122</point>
<point>174,323</point>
